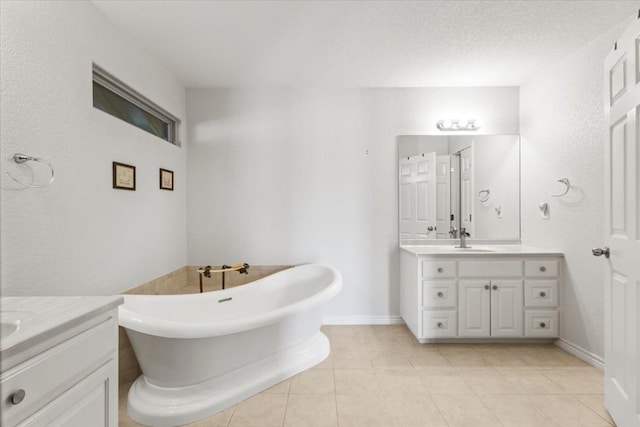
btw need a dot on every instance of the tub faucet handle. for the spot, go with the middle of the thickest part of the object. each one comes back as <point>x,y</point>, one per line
<point>244,269</point>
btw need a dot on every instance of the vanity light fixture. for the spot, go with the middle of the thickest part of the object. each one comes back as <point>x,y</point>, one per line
<point>469,124</point>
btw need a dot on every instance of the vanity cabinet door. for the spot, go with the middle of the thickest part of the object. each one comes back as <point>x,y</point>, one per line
<point>474,305</point>
<point>91,402</point>
<point>506,308</point>
<point>490,308</point>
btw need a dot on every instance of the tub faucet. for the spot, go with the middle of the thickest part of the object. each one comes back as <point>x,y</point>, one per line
<point>463,238</point>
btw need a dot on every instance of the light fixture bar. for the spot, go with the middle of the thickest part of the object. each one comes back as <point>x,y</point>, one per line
<point>458,125</point>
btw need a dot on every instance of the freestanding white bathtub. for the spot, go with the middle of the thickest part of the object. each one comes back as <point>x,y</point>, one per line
<point>202,353</point>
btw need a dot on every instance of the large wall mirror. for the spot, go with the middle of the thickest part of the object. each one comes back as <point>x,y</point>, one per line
<point>447,183</point>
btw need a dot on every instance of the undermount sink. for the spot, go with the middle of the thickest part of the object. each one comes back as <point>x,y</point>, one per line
<point>472,249</point>
<point>7,328</point>
<point>10,321</point>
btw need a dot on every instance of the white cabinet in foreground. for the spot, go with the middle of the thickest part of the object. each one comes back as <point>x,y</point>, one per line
<point>61,366</point>
<point>493,296</point>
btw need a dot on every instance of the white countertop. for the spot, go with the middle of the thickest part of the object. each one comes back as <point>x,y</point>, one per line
<point>475,250</point>
<point>40,318</point>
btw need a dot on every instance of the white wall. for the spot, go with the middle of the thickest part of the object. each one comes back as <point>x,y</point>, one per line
<point>562,127</point>
<point>279,177</point>
<point>80,236</point>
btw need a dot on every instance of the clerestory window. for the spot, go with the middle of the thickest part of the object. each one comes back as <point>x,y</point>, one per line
<point>118,99</point>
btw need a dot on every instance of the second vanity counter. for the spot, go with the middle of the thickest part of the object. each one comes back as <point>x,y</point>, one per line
<point>59,361</point>
<point>482,292</point>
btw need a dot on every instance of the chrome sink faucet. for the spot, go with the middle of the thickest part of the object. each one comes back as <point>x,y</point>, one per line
<point>463,238</point>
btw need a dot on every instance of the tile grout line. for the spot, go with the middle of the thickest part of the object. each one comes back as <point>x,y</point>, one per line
<point>586,406</point>
<point>335,393</point>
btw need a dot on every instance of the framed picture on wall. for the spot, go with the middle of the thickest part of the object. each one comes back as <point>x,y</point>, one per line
<point>124,176</point>
<point>166,179</point>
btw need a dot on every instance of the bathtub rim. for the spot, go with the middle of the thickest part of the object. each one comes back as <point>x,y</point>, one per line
<point>139,322</point>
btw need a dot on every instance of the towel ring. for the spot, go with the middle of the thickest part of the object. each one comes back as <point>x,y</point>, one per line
<point>566,182</point>
<point>22,158</point>
<point>483,195</point>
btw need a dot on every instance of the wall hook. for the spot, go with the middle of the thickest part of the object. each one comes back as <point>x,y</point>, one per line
<point>544,210</point>
<point>22,158</point>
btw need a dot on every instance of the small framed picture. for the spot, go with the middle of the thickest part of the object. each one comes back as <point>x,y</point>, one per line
<point>124,176</point>
<point>166,179</point>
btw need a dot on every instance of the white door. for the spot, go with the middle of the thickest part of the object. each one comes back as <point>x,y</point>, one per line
<point>466,190</point>
<point>455,190</point>
<point>622,229</point>
<point>507,302</point>
<point>417,197</point>
<point>443,196</point>
<point>474,305</point>
<point>425,226</point>
<point>405,202</point>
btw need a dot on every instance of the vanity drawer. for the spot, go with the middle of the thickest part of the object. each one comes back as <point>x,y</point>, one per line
<point>439,294</point>
<point>490,269</point>
<point>541,323</point>
<point>439,324</point>
<point>439,269</point>
<point>541,293</point>
<point>49,374</point>
<point>541,268</point>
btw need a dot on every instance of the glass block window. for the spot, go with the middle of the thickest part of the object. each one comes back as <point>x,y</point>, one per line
<point>119,100</point>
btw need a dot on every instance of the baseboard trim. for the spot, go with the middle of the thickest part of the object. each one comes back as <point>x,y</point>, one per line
<point>362,320</point>
<point>581,353</point>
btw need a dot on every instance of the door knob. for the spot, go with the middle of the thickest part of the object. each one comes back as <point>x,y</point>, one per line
<point>601,251</point>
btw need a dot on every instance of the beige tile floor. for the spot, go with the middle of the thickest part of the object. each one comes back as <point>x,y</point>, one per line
<point>380,376</point>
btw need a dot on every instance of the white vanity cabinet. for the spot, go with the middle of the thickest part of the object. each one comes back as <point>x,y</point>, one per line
<point>470,296</point>
<point>63,374</point>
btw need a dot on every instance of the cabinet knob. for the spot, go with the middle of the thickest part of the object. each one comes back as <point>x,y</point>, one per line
<point>543,294</point>
<point>17,396</point>
<point>543,325</point>
<point>440,270</point>
<point>486,287</point>
<point>439,325</point>
<point>543,268</point>
<point>440,294</point>
<point>495,287</point>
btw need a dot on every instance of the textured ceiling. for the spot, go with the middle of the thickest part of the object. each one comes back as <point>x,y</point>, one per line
<point>362,43</point>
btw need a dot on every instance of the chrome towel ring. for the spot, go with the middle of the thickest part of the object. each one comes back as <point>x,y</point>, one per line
<point>483,195</point>
<point>22,158</point>
<point>566,182</point>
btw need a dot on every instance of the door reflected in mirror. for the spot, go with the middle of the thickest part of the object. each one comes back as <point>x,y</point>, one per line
<point>455,182</point>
